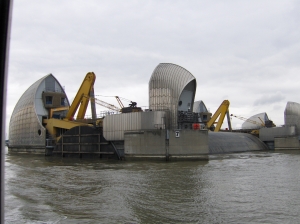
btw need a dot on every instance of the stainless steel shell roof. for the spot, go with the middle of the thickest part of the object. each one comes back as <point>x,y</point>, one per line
<point>292,115</point>
<point>168,85</point>
<point>256,118</point>
<point>199,107</point>
<point>25,128</point>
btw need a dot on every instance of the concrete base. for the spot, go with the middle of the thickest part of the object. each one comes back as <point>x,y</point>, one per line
<point>26,150</point>
<point>165,158</point>
<point>286,143</point>
<point>166,145</point>
<point>49,151</point>
<point>188,143</point>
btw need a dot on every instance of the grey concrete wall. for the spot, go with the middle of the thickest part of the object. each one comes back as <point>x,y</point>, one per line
<point>287,143</point>
<point>114,126</point>
<point>145,143</point>
<point>189,142</point>
<point>29,149</point>
<point>188,145</point>
<point>268,134</point>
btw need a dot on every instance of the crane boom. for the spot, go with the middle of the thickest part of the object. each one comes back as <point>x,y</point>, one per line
<point>120,102</point>
<point>102,103</point>
<point>221,112</point>
<point>79,101</point>
<point>107,105</point>
<point>249,120</point>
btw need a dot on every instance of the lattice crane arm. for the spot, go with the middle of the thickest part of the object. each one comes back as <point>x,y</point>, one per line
<point>120,102</point>
<point>107,105</point>
<point>103,103</point>
<point>249,120</point>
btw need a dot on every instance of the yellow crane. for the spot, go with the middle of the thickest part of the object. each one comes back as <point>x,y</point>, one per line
<point>56,126</point>
<point>84,95</point>
<point>52,110</point>
<point>220,113</point>
<point>82,102</point>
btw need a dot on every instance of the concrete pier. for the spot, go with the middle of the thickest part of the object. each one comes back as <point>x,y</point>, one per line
<point>166,145</point>
<point>286,143</point>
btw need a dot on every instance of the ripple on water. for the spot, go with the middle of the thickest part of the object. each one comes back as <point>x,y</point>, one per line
<point>260,187</point>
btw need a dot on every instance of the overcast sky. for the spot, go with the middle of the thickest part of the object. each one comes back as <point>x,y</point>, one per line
<point>245,51</point>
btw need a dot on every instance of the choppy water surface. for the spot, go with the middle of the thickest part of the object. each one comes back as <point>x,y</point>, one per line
<point>259,187</point>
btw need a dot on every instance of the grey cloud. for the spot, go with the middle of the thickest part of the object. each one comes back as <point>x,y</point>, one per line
<point>269,99</point>
<point>240,49</point>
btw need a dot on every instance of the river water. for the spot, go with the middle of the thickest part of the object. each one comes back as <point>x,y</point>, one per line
<point>255,187</point>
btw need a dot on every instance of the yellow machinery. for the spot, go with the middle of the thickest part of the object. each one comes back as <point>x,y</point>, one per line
<point>52,110</point>
<point>56,127</point>
<point>86,87</point>
<point>84,95</point>
<point>220,113</point>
